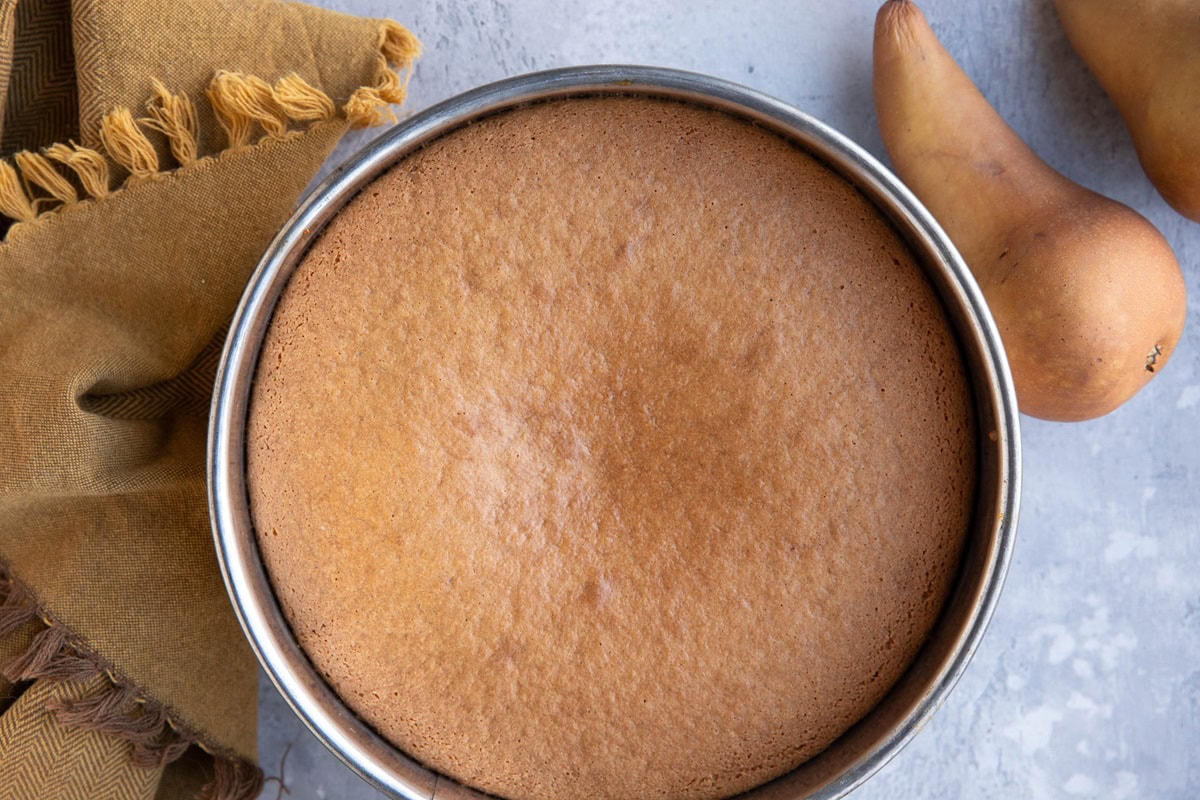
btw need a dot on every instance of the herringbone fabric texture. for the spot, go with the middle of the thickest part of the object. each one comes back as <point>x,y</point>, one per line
<point>188,393</point>
<point>41,105</point>
<point>8,24</point>
<point>52,762</point>
<point>123,672</point>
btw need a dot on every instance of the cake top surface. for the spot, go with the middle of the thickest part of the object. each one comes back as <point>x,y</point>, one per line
<point>610,448</point>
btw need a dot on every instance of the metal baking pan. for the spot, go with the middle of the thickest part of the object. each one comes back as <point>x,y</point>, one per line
<point>867,746</point>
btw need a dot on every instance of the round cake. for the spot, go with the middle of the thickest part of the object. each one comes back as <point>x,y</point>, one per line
<point>611,447</point>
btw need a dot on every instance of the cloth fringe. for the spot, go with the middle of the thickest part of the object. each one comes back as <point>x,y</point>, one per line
<point>233,780</point>
<point>16,605</point>
<point>89,166</point>
<point>371,105</point>
<point>127,144</point>
<point>246,107</point>
<point>119,708</point>
<point>41,172</point>
<point>174,116</point>
<point>14,200</point>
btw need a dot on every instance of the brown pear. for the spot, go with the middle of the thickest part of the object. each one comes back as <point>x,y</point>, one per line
<point>1087,294</point>
<point>1146,55</point>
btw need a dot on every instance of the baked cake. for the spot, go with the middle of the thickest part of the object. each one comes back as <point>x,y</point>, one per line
<point>611,448</point>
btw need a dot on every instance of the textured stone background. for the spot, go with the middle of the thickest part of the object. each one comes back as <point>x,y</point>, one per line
<point>1088,681</point>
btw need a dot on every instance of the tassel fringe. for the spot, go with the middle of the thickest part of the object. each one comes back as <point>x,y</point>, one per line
<point>233,780</point>
<point>89,166</point>
<point>36,660</point>
<point>243,101</point>
<point>118,708</point>
<point>246,107</point>
<point>41,172</point>
<point>16,606</point>
<point>174,116</point>
<point>301,101</point>
<point>14,201</point>
<point>127,144</point>
<point>371,105</point>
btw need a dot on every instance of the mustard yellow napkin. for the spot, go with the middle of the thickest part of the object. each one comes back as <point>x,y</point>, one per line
<point>151,149</point>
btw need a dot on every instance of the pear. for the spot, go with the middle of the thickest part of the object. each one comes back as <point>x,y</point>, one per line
<point>1086,293</point>
<point>1146,55</point>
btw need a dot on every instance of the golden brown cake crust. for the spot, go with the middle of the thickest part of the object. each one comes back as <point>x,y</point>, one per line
<point>610,448</point>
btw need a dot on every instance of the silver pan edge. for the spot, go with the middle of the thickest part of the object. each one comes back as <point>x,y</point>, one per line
<point>871,743</point>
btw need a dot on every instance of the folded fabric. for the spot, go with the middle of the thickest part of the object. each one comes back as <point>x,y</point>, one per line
<point>152,149</point>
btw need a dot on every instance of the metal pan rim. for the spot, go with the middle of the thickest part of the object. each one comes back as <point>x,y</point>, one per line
<point>833,773</point>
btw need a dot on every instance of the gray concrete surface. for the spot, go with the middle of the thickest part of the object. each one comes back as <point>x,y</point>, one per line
<point>1088,681</point>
